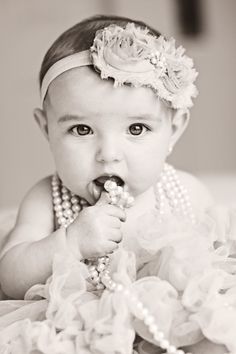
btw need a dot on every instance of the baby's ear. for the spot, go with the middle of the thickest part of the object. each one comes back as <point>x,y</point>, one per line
<point>180,121</point>
<point>41,119</point>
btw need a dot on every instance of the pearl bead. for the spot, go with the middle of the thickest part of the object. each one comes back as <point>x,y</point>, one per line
<point>101,267</point>
<point>68,212</point>
<point>112,286</point>
<point>65,196</point>
<point>61,220</point>
<point>76,207</point>
<point>110,185</point>
<point>57,200</point>
<point>149,320</point>
<point>55,193</point>
<point>172,349</point>
<point>145,312</point>
<point>100,286</point>
<point>59,214</point>
<point>158,336</point>
<point>139,303</point>
<point>114,200</point>
<point>91,268</point>
<point>153,328</point>
<point>164,344</point>
<point>74,200</point>
<point>66,204</point>
<point>112,193</point>
<point>154,61</point>
<point>57,207</point>
<point>130,200</point>
<point>119,287</point>
<point>119,190</point>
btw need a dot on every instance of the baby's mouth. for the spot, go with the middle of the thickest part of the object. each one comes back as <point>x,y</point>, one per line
<point>96,187</point>
<point>100,181</point>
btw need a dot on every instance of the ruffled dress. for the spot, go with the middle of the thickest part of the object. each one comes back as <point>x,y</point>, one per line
<point>184,274</point>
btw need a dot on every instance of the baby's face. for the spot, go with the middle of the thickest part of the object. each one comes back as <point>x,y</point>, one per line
<point>96,131</point>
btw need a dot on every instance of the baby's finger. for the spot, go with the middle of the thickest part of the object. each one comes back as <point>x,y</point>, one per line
<point>114,210</point>
<point>114,222</point>
<point>115,236</point>
<point>111,247</point>
<point>104,199</point>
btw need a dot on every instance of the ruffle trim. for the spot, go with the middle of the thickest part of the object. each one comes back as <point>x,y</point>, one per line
<point>187,279</point>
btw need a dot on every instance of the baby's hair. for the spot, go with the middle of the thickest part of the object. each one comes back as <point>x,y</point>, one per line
<point>80,37</point>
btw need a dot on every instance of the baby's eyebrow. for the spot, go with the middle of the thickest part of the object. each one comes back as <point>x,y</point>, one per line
<point>149,117</point>
<point>70,117</point>
<point>138,117</point>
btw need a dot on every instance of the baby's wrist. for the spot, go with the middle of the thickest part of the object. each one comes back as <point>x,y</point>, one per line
<point>70,243</point>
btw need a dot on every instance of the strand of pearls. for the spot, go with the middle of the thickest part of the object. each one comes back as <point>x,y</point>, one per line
<point>65,204</point>
<point>99,268</point>
<point>67,207</point>
<point>170,188</point>
<point>143,314</point>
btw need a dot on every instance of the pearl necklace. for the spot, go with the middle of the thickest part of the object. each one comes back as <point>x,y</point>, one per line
<point>67,207</point>
<point>169,188</point>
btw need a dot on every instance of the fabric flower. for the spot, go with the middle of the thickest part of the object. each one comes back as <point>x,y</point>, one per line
<point>131,55</point>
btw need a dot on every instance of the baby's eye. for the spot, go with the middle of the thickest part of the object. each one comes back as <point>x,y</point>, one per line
<point>137,129</point>
<point>81,129</point>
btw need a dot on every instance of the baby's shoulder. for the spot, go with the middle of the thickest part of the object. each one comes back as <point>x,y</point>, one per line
<point>35,216</point>
<point>199,194</point>
<point>37,203</point>
<point>39,192</point>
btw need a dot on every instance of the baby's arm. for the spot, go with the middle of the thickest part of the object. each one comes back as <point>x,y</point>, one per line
<point>28,253</point>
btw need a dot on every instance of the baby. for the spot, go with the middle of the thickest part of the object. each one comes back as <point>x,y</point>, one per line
<point>115,100</point>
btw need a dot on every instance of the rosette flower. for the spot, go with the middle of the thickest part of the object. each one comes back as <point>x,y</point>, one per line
<point>133,56</point>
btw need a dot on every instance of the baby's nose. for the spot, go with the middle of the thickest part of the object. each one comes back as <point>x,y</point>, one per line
<point>109,150</point>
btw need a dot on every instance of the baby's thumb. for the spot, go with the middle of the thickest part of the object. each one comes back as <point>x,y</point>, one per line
<point>104,198</point>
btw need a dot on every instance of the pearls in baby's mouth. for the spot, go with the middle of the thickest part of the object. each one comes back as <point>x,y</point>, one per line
<point>117,195</point>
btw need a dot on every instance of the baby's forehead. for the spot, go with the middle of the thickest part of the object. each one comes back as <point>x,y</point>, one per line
<point>81,89</point>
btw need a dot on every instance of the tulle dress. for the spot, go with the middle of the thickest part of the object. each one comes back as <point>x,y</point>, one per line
<point>184,274</point>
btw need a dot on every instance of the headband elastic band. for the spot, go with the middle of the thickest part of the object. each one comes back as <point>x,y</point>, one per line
<point>72,61</point>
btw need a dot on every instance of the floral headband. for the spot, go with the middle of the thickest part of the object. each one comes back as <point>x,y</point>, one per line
<point>131,55</point>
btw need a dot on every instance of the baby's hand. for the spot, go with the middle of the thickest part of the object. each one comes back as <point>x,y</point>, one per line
<point>97,229</point>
